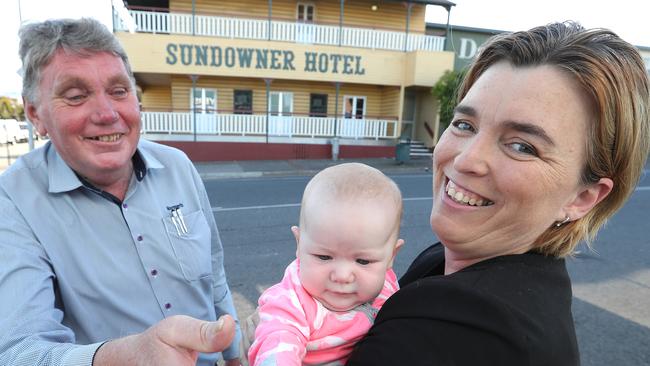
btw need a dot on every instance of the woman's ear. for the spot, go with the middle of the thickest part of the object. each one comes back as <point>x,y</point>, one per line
<point>588,197</point>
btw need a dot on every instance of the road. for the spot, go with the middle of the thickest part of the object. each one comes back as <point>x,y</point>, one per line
<point>611,286</point>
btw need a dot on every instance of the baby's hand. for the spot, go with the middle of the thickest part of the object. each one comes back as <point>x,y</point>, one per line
<point>248,332</point>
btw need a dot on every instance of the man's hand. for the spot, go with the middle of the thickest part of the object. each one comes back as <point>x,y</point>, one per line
<point>175,341</point>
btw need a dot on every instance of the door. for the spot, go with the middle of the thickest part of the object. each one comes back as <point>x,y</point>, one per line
<point>305,28</point>
<point>203,105</point>
<point>354,110</point>
<point>280,110</point>
<point>408,116</point>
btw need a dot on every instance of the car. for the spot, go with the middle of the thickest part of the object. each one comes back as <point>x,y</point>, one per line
<point>12,131</point>
<point>24,131</point>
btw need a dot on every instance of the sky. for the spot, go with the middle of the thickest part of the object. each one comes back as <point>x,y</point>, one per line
<point>625,17</point>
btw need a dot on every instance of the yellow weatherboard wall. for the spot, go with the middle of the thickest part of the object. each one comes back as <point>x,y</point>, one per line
<point>381,101</point>
<point>357,13</point>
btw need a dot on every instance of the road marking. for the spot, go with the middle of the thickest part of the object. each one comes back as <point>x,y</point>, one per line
<point>219,209</point>
<point>263,207</point>
<point>417,199</point>
<point>285,205</point>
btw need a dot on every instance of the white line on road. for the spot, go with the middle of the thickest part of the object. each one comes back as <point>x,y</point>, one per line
<point>417,199</point>
<point>262,207</point>
<point>217,209</point>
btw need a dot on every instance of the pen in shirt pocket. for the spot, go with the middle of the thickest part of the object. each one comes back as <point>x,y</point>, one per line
<point>176,216</point>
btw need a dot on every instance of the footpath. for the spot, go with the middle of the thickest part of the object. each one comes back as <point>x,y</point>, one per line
<point>265,168</point>
<point>306,167</point>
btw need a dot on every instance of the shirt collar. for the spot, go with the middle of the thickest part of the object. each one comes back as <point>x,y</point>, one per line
<point>63,179</point>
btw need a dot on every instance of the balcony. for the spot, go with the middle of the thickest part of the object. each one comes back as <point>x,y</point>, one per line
<point>273,30</point>
<point>234,127</point>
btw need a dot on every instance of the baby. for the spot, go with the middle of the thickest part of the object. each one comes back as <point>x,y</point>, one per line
<point>329,296</point>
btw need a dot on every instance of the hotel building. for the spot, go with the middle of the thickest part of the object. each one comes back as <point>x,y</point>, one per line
<point>281,79</point>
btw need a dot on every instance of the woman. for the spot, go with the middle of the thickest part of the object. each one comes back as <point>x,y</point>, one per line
<point>548,141</point>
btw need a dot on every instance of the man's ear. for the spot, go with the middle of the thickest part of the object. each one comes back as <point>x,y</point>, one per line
<point>587,198</point>
<point>31,111</point>
<point>398,246</point>
<point>296,234</point>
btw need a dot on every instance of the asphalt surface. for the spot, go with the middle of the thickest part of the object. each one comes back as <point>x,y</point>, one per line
<point>611,285</point>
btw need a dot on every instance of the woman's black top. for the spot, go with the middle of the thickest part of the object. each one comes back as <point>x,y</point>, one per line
<point>509,310</point>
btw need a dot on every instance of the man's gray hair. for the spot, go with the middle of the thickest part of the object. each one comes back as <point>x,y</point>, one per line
<point>40,41</point>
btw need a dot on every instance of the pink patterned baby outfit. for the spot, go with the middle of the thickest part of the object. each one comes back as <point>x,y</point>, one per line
<point>295,329</point>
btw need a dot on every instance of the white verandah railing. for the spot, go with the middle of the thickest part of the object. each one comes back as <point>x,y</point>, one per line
<point>226,27</point>
<point>246,125</point>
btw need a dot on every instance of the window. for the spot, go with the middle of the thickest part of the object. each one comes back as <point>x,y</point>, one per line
<point>203,100</point>
<point>318,105</point>
<point>305,13</point>
<point>354,107</point>
<point>243,102</point>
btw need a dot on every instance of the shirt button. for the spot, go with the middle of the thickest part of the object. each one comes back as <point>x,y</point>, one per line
<point>168,306</point>
<point>154,272</point>
<point>140,238</point>
<point>125,206</point>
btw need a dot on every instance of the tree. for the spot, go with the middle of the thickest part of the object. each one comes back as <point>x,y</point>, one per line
<point>11,109</point>
<point>445,90</point>
<point>6,108</point>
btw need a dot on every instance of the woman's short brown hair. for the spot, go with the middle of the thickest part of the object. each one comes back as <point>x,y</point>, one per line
<point>612,74</point>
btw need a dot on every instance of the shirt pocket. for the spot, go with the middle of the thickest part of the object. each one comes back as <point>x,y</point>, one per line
<point>192,249</point>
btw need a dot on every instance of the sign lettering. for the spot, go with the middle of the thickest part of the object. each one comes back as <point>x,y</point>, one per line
<point>262,58</point>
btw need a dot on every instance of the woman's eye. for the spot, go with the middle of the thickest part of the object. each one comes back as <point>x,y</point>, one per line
<point>462,125</point>
<point>523,148</point>
<point>323,257</point>
<point>363,262</point>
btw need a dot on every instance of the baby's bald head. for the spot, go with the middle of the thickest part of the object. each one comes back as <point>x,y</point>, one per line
<point>349,183</point>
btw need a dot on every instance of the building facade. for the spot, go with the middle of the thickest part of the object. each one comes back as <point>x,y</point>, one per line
<point>463,41</point>
<point>282,79</point>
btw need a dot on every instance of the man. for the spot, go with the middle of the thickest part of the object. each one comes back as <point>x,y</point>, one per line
<point>109,250</point>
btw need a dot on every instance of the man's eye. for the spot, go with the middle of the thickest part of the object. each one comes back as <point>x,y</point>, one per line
<point>120,92</point>
<point>363,262</point>
<point>323,257</point>
<point>75,98</point>
<point>462,125</point>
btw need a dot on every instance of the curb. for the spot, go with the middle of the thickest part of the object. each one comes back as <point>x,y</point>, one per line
<point>307,172</point>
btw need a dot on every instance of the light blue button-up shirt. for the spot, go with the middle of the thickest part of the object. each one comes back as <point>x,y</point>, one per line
<point>77,269</point>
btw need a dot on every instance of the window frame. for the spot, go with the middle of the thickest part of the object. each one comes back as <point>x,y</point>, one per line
<point>235,108</point>
<point>203,107</point>
<point>355,99</point>
<point>311,99</point>
<point>301,16</point>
